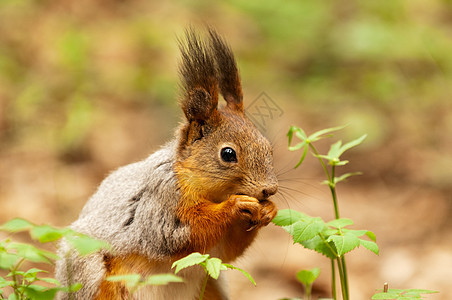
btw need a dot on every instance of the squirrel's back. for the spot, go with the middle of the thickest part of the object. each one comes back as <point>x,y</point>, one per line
<point>134,210</point>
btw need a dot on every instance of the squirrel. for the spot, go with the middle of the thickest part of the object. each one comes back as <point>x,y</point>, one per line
<point>205,191</point>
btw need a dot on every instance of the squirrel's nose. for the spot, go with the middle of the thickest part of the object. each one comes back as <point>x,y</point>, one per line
<point>269,191</point>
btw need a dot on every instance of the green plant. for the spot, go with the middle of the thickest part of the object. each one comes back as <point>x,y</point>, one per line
<point>399,294</point>
<point>212,267</point>
<point>307,278</point>
<point>26,284</point>
<point>331,239</point>
<point>407,294</point>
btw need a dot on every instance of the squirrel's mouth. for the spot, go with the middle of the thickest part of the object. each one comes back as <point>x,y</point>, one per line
<point>260,199</point>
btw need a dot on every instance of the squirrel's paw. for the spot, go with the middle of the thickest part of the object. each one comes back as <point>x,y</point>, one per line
<point>268,212</point>
<point>257,213</point>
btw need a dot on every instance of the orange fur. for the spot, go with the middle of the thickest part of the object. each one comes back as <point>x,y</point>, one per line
<point>121,265</point>
<point>213,291</point>
<point>221,225</point>
<point>208,222</point>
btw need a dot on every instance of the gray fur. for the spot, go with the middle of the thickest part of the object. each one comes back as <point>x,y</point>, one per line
<point>133,210</point>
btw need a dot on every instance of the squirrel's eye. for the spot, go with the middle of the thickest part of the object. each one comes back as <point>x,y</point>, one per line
<point>228,154</point>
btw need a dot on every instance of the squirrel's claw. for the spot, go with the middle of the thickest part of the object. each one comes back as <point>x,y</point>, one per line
<point>254,226</point>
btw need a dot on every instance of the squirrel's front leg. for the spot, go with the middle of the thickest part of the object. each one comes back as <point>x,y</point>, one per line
<point>253,214</point>
<point>232,223</point>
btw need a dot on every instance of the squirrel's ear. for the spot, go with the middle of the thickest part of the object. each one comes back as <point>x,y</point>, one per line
<point>228,74</point>
<point>199,99</point>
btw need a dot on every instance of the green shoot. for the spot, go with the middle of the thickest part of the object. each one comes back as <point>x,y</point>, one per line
<point>331,239</point>
<point>307,278</point>
<point>29,284</point>
<point>212,267</point>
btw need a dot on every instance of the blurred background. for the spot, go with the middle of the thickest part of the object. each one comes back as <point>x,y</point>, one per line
<point>88,86</point>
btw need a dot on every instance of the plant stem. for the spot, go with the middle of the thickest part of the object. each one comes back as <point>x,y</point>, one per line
<point>333,280</point>
<point>321,161</point>
<point>307,291</point>
<point>330,180</point>
<point>344,269</point>
<point>328,244</point>
<point>204,286</point>
<point>15,285</point>
<point>341,275</point>
<point>333,192</point>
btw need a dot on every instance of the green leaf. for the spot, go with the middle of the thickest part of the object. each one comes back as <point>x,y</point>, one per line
<point>71,289</point>
<point>46,233</point>
<point>318,135</point>
<point>34,272</point>
<point>131,280</point>
<point>213,266</point>
<point>190,260</point>
<point>357,233</point>
<point>298,132</point>
<point>8,260</point>
<point>50,280</point>
<point>12,297</point>
<point>320,246</point>
<point>326,232</point>
<point>287,217</point>
<point>247,275</point>
<point>162,279</point>
<point>353,143</point>
<point>419,291</point>
<point>388,295</point>
<point>371,236</point>
<point>345,176</point>
<point>16,225</point>
<point>302,157</point>
<point>32,253</point>
<point>339,162</point>
<point>301,134</point>
<point>307,277</point>
<point>16,272</point>
<point>37,292</point>
<point>297,146</point>
<point>4,283</point>
<point>31,274</point>
<point>86,245</point>
<point>305,230</point>
<point>335,150</point>
<point>370,245</point>
<point>323,156</point>
<point>290,133</point>
<point>344,243</point>
<point>340,223</point>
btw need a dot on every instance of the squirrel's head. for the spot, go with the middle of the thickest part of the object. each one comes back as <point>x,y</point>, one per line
<point>220,151</point>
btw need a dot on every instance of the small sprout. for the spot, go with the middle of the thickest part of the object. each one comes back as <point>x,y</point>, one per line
<point>212,267</point>
<point>307,278</point>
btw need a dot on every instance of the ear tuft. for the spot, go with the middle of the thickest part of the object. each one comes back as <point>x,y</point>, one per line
<point>228,74</point>
<point>198,106</point>
<point>199,99</point>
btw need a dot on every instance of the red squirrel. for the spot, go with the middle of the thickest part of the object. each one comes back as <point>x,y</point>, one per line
<point>208,190</point>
